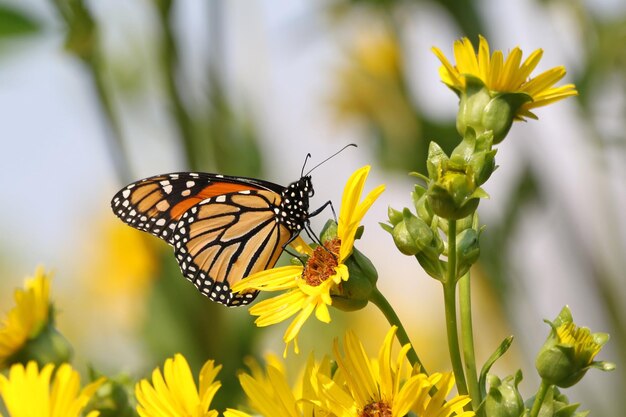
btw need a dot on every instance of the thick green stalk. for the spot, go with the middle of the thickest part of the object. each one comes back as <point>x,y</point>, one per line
<point>379,300</point>
<point>539,397</point>
<point>467,335</point>
<point>449,295</point>
<point>169,62</point>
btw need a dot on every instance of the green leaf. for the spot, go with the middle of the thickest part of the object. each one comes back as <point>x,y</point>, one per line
<point>15,23</point>
<point>501,350</point>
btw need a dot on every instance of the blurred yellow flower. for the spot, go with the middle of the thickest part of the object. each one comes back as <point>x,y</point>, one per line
<point>309,287</point>
<point>121,265</point>
<point>270,395</point>
<point>27,391</point>
<point>370,85</point>
<point>173,393</point>
<point>29,316</point>
<point>504,76</point>
<point>364,387</point>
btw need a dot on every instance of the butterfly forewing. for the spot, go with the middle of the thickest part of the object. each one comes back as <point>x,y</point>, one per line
<point>222,228</point>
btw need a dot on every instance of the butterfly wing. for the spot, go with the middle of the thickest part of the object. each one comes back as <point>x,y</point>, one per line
<point>228,237</point>
<point>222,228</point>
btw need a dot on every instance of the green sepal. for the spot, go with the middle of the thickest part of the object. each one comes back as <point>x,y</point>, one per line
<point>555,404</point>
<point>432,265</point>
<point>354,293</point>
<point>497,354</point>
<point>467,250</point>
<point>395,216</point>
<point>329,231</point>
<point>483,110</point>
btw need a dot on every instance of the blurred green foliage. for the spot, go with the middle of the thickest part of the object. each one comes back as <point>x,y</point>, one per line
<point>15,23</point>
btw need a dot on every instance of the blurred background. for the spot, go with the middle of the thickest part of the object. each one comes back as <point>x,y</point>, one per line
<point>94,95</point>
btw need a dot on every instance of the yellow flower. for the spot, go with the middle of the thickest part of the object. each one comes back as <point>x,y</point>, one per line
<point>270,395</point>
<point>29,316</point>
<point>309,287</point>
<point>438,406</point>
<point>363,387</point>
<point>173,393</point>
<point>504,76</point>
<point>27,392</point>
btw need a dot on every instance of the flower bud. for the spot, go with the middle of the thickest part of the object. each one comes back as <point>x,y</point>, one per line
<point>484,110</point>
<point>452,190</point>
<point>467,250</point>
<point>411,235</point>
<point>354,293</point>
<point>48,346</point>
<point>504,399</point>
<point>568,352</point>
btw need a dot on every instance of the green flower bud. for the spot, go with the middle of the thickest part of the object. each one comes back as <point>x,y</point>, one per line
<point>484,110</point>
<point>568,352</point>
<point>115,397</point>
<point>411,235</point>
<point>452,190</point>
<point>48,346</point>
<point>354,293</point>
<point>455,196</point>
<point>504,399</point>
<point>467,250</point>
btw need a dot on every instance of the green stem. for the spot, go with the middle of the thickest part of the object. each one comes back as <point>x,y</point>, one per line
<point>169,61</point>
<point>383,305</point>
<point>467,334</point>
<point>449,295</point>
<point>539,397</point>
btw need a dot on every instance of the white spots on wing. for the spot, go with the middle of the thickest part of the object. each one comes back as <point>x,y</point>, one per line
<point>167,188</point>
<point>165,183</point>
<point>190,184</point>
<point>193,174</point>
<point>246,192</point>
<point>125,203</point>
<point>126,193</point>
<point>160,222</point>
<point>185,193</point>
<point>220,198</point>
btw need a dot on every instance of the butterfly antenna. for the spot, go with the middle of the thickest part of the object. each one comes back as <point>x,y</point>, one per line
<point>308,156</point>
<point>330,157</point>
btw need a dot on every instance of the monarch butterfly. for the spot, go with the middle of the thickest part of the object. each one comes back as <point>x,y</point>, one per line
<point>222,228</point>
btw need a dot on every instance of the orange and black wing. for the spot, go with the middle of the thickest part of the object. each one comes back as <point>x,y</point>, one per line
<point>222,228</point>
<point>228,237</point>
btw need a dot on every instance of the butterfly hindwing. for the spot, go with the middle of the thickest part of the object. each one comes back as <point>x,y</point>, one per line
<point>228,237</point>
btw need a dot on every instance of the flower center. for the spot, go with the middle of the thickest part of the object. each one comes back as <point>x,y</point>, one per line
<point>377,409</point>
<point>321,265</point>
